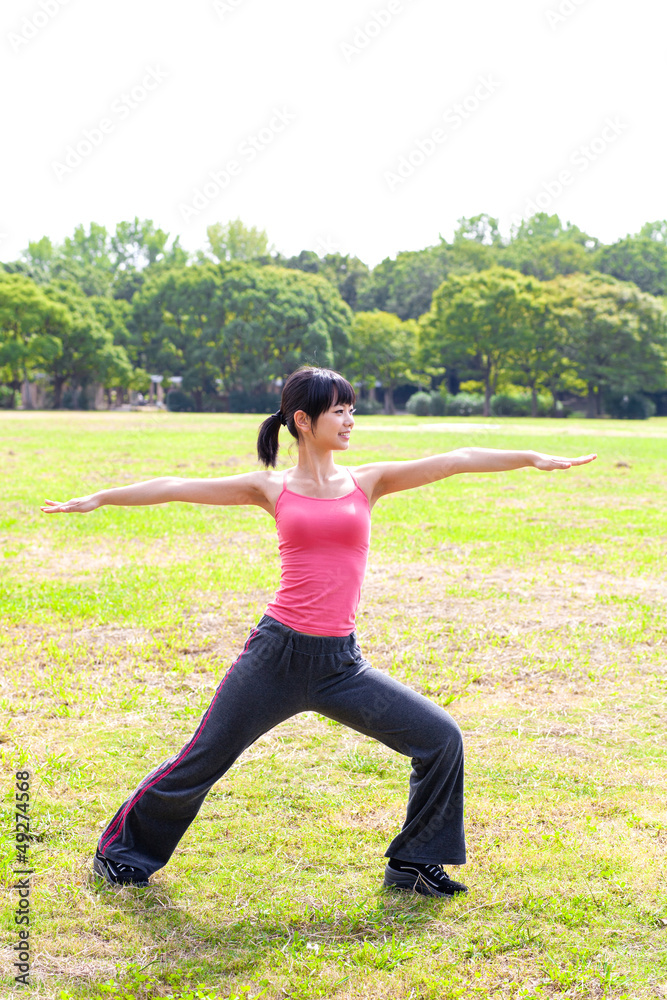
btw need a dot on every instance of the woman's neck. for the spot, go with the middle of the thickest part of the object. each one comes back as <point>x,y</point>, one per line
<point>316,468</point>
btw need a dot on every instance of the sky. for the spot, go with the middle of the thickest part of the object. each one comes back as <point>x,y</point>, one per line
<point>351,127</point>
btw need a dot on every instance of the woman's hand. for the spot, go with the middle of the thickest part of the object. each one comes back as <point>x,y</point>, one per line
<point>79,505</point>
<point>548,463</point>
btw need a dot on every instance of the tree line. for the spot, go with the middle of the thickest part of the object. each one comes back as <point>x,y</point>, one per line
<point>550,311</point>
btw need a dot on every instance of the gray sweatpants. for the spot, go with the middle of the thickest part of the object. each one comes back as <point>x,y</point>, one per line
<point>279,674</point>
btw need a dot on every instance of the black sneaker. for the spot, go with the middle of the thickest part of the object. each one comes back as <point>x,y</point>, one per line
<point>118,874</point>
<point>429,880</point>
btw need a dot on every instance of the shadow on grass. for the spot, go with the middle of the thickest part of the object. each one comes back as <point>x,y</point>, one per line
<point>376,929</point>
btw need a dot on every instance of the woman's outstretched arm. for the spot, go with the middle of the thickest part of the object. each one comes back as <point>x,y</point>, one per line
<point>391,477</point>
<point>247,488</point>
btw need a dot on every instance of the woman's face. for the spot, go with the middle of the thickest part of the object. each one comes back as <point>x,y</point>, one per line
<point>334,426</point>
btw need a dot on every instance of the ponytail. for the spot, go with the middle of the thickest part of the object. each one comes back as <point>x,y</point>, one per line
<point>267,440</point>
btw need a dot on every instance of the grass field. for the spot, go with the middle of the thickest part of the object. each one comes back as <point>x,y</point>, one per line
<point>532,605</point>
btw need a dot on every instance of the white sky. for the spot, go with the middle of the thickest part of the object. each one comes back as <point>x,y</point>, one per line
<point>220,75</point>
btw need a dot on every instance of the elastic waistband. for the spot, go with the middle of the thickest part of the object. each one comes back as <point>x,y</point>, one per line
<point>304,643</point>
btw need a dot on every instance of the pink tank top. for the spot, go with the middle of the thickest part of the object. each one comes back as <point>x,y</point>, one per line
<point>323,548</point>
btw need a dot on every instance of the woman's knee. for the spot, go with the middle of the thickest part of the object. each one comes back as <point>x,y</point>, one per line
<point>450,737</point>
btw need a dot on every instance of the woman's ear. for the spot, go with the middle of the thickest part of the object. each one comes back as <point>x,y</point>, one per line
<point>301,420</point>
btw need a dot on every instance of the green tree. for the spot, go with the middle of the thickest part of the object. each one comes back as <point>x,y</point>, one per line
<point>405,286</point>
<point>556,257</point>
<point>543,247</point>
<point>482,229</point>
<point>138,244</point>
<point>280,319</point>
<point>306,260</point>
<point>138,249</point>
<point>544,228</point>
<point>346,273</point>
<point>88,353</point>
<point>86,259</point>
<point>641,258</point>
<point>480,319</point>
<point>102,263</point>
<point>31,331</point>
<point>468,256</point>
<point>616,336</point>
<point>115,315</point>
<point>234,241</point>
<point>476,246</point>
<point>383,350</point>
<point>38,262</point>
<point>537,360</point>
<point>179,325</point>
<point>239,323</point>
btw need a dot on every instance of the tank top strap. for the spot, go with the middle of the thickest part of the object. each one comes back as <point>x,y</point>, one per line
<point>362,491</point>
<point>354,480</point>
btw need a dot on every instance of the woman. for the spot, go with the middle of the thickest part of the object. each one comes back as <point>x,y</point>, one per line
<point>303,654</point>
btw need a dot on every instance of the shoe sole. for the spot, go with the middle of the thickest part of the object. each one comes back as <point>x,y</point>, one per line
<point>100,870</point>
<point>408,883</point>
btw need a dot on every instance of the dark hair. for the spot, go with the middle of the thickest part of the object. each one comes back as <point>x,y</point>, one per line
<point>310,389</point>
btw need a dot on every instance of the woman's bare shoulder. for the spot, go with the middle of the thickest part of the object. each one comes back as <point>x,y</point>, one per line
<point>267,485</point>
<point>270,481</point>
<point>367,477</point>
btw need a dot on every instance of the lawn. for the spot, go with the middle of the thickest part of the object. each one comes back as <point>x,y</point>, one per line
<point>531,605</point>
